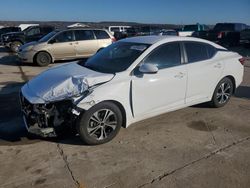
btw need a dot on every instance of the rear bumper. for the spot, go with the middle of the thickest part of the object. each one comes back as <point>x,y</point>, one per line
<point>245,41</point>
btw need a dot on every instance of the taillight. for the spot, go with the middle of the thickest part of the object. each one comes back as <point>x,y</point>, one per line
<point>242,60</point>
<point>113,39</point>
<point>220,35</point>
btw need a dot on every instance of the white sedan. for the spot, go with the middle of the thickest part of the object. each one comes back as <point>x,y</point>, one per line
<point>131,80</point>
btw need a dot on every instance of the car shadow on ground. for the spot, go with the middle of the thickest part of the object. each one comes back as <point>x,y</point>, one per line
<point>4,50</point>
<point>10,60</point>
<point>242,92</point>
<point>12,128</point>
<point>13,60</point>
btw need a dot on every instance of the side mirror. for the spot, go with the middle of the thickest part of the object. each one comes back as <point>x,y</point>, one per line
<point>52,41</point>
<point>148,68</point>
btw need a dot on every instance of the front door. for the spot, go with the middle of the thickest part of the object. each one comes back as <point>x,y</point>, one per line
<point>62,46</point>
<point>166,89</point>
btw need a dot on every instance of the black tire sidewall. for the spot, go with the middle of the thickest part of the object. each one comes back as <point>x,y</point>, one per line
<point>83,121</point>
<point>214,101</point>
<point>39,55</point>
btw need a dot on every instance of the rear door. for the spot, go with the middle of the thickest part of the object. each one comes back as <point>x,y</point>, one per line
<point>204,71</point>
<point>103,38</point>
<point>62,46</point>
<point>85,45</point>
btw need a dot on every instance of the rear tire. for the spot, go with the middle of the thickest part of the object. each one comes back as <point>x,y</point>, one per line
<point>222,93</point>
<point>100,124</point>
<point>14,46</point>
<point>43,59</point>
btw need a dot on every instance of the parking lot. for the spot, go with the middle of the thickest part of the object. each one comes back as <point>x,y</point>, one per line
<point>193,147</point>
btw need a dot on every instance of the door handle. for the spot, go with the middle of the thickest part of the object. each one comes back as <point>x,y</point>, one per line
<point>71,43</point>
<point>179,75</point>
<point>76,43</point>
<point>218,65</point>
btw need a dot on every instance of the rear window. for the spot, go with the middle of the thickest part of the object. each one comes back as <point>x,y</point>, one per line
<point>190,28</point>
<point>47,29</point>
<point>114,29</point>
<point>197,51</point>
<point>224,27</point>
<point>100,34</point>
<point>84,35</point>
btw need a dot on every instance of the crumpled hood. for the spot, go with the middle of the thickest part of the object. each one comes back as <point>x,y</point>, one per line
<point>62,82</point>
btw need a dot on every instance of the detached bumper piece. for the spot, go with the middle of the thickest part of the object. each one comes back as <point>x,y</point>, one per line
<point>47,120</point>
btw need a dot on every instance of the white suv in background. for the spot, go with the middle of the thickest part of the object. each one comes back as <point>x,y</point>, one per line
<point>113,29</point>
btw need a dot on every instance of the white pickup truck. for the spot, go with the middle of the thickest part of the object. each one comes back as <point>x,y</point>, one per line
<point>188,30</point>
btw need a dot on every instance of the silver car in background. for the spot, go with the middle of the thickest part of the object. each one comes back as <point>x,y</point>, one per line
<point>65,45</point>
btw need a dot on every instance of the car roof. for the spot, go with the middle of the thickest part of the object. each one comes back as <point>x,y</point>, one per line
<point>84,28</point>
<point>164,39</point>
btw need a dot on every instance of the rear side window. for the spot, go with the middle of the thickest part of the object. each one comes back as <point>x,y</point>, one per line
<point>100,34</point>
<point>33,31</point>
<point>165,56</point>
<point>84,35</point>
<point>198,51</point>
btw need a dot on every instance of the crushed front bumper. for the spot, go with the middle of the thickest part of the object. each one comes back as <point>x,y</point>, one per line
<point>47,120</point>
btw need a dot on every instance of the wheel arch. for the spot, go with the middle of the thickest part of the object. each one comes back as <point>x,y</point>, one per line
<point>121,107</point>
<point>233,81</point>
<point>34,58</point>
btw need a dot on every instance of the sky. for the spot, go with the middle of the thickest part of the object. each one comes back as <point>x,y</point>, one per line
<point>143,11</point>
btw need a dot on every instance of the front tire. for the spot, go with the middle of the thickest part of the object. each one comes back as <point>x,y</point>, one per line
<point>43,59</point>
<point>222,93</point>
<point>100,124</point>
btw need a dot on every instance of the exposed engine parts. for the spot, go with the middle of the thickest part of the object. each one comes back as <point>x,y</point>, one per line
<point>48,119</point>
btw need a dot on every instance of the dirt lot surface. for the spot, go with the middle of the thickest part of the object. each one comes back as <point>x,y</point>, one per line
<point>193,147</point>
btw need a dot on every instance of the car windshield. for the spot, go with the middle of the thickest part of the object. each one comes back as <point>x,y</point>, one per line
<point>190,28</point>
<point>116,57</point>
<point>48,36</point>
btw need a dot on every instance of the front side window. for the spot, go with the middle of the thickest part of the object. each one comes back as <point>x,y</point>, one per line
<point>66,36</point>
<point>84,35</point>
<point>101,34</point>
<point>48,36</point>
<point>165,56</point>
<point>117,57</point>
<point>197,51</point>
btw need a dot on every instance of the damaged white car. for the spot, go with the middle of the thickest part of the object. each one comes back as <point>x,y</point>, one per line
<point>131,80</point>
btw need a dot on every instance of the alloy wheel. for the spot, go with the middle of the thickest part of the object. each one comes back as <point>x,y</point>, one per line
<point>224,93</point>
<point>101,124</point>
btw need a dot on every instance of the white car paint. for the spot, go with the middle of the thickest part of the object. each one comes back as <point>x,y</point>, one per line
<point>147,103</point>
<point>154,94</point>
<point>185,33</point>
